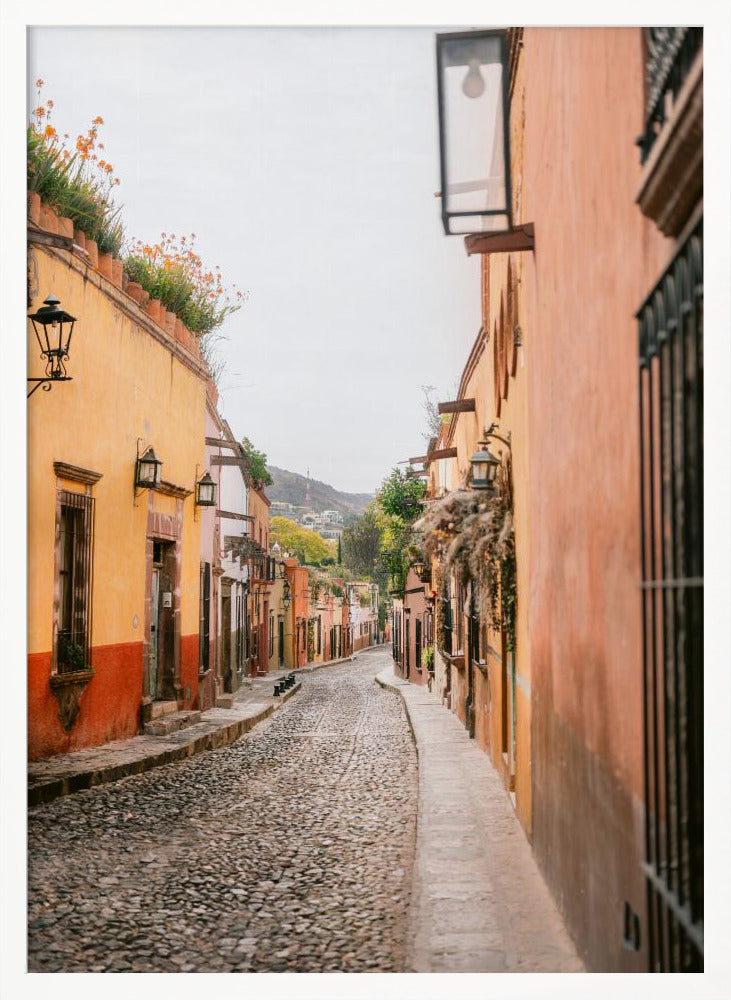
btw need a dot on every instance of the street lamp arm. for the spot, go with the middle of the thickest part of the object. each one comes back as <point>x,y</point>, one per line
<point>46,383</point>
<point>489,432</point>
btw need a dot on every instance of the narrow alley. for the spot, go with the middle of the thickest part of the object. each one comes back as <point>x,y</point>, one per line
<point>296,849</point>
<point>362,540</point>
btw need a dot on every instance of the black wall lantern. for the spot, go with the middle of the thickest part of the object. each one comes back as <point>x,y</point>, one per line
<point>205,491</point>
<point>473,86</point>
<point>418,567</point>
<point>484,469</point>
<point>53,328</point>
<point>147,471</point>
<point>483,463</point>
<point>286,596</point>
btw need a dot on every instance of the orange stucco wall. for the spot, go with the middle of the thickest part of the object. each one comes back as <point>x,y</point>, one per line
<point>571,407</point>
<point>109,709</point>
<point>299,581</point>
<point>595,258</point>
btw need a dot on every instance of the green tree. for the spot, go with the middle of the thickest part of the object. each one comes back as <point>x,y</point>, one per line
<point>257,465</point>
<point>398,506</point>
<point>361,545</point>
<point>308,545</point>
<point>340,552</point>
<point>400,495</point>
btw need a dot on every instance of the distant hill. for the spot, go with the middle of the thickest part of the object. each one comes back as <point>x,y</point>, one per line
<point>290,487</point>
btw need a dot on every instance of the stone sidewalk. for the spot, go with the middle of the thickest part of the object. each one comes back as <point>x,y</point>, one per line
<point>479,902</point>
<point>63,774</point>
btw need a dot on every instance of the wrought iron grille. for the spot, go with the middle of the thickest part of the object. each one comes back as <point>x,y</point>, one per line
<point>76,556</point>
<point>671,457</point>
<point>474,629</point>
<point>447,610</point>
<point>670,53</point>
<point>240,629</point>
<point>204,624</point>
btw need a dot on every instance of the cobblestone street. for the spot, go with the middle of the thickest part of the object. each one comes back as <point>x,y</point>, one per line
<point>290,850</point>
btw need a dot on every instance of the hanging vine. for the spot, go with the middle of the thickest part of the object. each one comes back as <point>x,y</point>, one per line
<point>311,640</point>
<point>472,532</point>
<point>440,606</point>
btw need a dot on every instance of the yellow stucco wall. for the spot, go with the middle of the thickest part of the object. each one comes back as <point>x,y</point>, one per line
<point>125,386</point>
<point>130,381</point>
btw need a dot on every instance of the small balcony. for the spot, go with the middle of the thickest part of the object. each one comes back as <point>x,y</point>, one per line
<point>671,146</point>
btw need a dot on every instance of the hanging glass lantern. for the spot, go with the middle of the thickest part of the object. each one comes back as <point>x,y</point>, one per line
<point>474,139</point>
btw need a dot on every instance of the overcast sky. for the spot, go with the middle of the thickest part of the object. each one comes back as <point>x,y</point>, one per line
<point>306,162</point>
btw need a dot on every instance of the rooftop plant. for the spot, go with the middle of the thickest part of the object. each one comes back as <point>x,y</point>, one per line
<point>77,182</point>
<point>74,178</point>
<point>257,465</point>
<point>172,271</point>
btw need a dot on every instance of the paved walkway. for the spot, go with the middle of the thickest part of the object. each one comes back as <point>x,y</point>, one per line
<point>479,902</point>
<point>63,774</point>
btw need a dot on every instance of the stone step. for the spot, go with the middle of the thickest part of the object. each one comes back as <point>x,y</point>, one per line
<point>224,701</point>
<point>159,708</point>
<point>167,724</point>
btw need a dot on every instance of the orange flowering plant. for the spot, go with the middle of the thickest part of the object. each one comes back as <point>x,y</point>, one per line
<point>74,178</point>
<point>172,271</point>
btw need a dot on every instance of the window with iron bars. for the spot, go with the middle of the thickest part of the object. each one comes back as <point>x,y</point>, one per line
<point>446,602</point>
<point>240,630</point>
<point>204,624</point>
<point>671,466</point>
<point>75,564</point>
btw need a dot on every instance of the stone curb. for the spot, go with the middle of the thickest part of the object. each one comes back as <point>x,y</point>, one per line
<point>383,679</point>
<point>219,736</point>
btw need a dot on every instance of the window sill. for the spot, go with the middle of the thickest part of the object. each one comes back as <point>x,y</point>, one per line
<point>455,659</point>
<point>71,677</point>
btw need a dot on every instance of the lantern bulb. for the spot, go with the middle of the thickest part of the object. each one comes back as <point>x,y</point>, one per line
<point>473,84</point>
